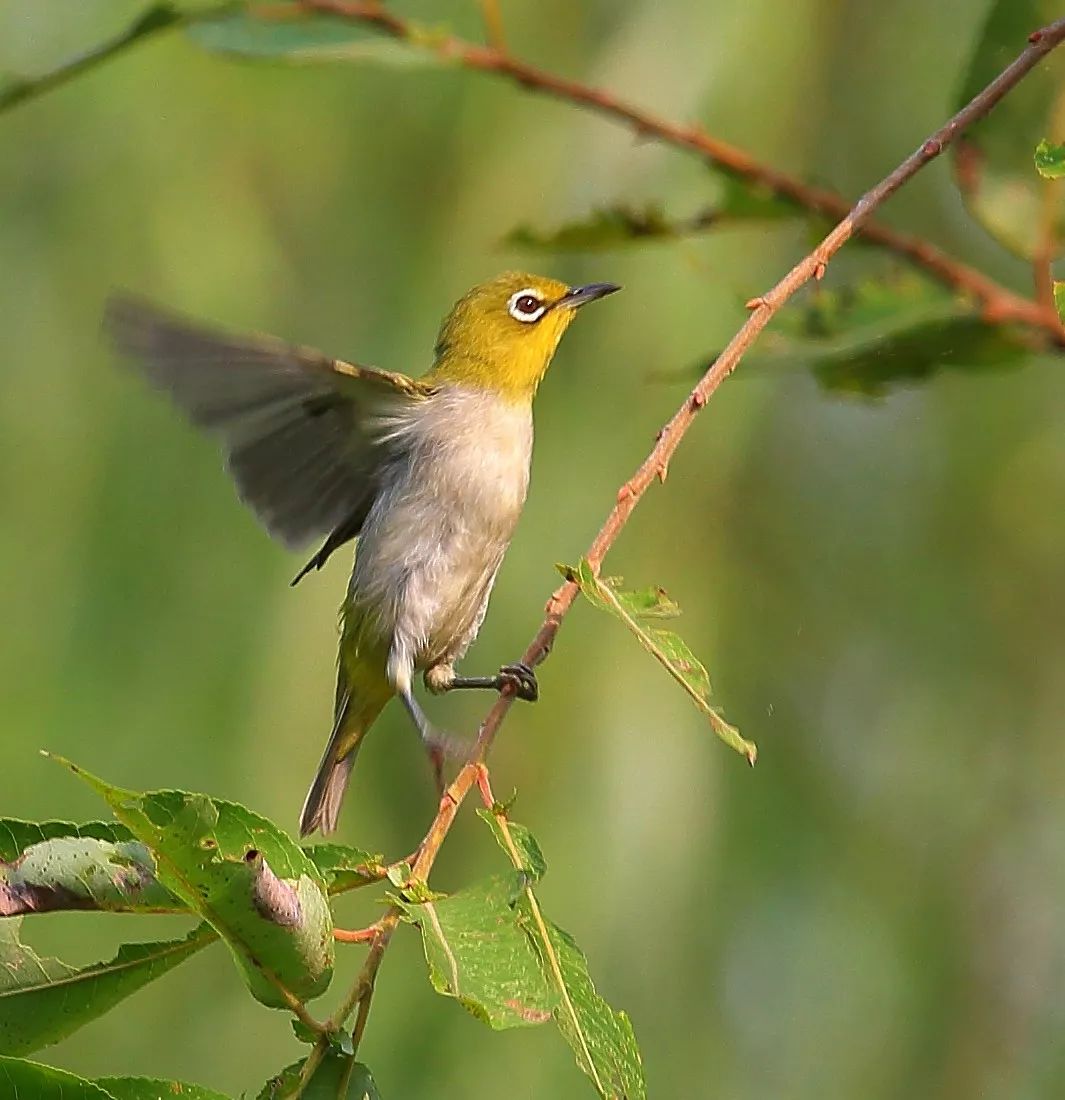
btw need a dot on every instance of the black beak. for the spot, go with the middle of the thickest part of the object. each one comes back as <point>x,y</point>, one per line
<point>581,295</point>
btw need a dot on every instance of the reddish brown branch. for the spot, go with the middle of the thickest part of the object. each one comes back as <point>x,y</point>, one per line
<point>654,466</point>
<point>998,303</point>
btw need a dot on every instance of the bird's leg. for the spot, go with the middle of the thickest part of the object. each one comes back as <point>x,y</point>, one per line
<point>520,677</point>
<point>399,671</point>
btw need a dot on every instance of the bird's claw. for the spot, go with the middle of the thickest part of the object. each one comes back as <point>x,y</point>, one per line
<point>523,680</point>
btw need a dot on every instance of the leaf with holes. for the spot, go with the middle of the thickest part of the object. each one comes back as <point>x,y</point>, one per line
<point>479,954</point>
<point>43,1000</point>
<point>58,865</point>
<point>289,33</point>
<point>244,876</point>
<point>992,160</point>
<point>668,648</point>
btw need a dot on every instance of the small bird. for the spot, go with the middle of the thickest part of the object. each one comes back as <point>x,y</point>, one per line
<point>428,474</point>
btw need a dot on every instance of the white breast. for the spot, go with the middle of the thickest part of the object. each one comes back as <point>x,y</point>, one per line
<point>434,539</point>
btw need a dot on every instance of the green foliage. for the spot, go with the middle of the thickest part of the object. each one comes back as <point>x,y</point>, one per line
<point>242,875</point>
<point>992,160</point>
<point>874,337</point>
<point>531,860</point>
<point>478,953</point>
<point>620,225</point>
<point>1050,160</point>
<point>342,867</point>
<point>339,1077</point>
<point>58,865</point>
<point>43,1000</point>
<point>1059,298</point>
<point>157,18</point>
<point>150,1088</point>
<point>283,32</point>
<point>29,1081</point>
<point>667,647</point>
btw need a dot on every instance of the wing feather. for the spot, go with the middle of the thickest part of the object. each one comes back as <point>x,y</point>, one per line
<point>296,426</point>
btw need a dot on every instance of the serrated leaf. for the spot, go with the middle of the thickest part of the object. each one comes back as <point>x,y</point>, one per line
<point>602,1039</point>
<point>244,876</point>
<point>876,336</point>
<point>992,159</point>
<point>58,865</point>
<point>530,858</point>
<point>285,32</point>
<point>337,1078</point>
<point>151,1088</point>
<point>1050,160</point>
<point>667,647</point>
<point>42,1000</point>
<point>344,868</point>
<point>156,18</point>
<point>20,1080</point>
<point>479,954</point>
<point>620,225</point>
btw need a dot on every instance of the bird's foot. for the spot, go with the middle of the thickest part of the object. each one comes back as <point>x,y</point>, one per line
<point>522,678</point>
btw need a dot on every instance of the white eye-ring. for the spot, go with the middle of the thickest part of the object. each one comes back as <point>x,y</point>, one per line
<point>526,306</point>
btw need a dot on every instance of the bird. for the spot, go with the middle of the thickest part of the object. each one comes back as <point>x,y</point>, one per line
<point>429,475</point>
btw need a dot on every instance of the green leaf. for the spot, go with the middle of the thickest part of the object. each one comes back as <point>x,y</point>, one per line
<point>478,953</point>
<point>155,19</point>
<point>993,159</point>
<point>284,32</point>
<point>876,336</point>
<point>244,876</point>
<point>21,1080</point>
<point>602,1039</point>
<point>668,648</point>
<point>337,1078</point>
<point>530,858</point>
<point>1050,160</point>
<point>344,868</point>
<point>150,1088</point>
<point>1059,298</point>
<point>42,1000</point>
<point>620,225</point>
<point>57,865</point>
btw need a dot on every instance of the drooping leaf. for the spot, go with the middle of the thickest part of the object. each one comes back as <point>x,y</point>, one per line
<point>42,1000</point>
<point>620,225</point>
<point>478,953</point>
<point>58,865</point>
<point>157,18</point>
<point>602,1039</point>
<point>244,876</point>
<point>150,1088</point>
<point>288,33</point>
<point>345,868</point>
<point>20,1080</point>
<point>1050,160</point>
<point>993,158</point>
<point>667,647</point>
<point>337,1078</point>
<point>516,838</point>
<point>879,335</point>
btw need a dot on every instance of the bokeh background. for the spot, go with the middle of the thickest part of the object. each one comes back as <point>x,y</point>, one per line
<point>877,588</point>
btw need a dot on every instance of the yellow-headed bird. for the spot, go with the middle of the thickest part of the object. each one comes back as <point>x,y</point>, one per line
<point>428,474</point>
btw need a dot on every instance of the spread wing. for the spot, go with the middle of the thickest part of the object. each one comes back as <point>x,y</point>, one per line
<point>295,425</point>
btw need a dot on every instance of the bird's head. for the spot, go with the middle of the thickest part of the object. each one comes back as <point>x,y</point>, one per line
<point>502,334</point>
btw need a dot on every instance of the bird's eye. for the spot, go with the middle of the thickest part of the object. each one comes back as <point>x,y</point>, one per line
<point>526,306</point>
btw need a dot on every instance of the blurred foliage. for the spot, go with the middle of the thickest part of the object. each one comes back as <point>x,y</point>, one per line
<point>876,588</point>
<point>1050,160</point>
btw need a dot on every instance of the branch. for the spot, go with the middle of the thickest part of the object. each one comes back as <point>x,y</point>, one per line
<point>654,466</point>
<point>998,304</point>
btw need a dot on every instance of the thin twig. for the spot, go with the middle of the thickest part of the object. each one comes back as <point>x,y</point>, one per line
<point>654,466</point>
<point>493,24</point>
<point>998,303</point>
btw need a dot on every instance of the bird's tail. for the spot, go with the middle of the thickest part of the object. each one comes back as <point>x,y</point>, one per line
<point>353,718</point>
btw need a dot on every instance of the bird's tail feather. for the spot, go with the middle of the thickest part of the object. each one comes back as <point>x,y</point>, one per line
<point>321,809</point>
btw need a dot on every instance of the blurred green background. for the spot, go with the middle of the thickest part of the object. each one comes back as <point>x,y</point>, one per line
<point>877,588</point>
